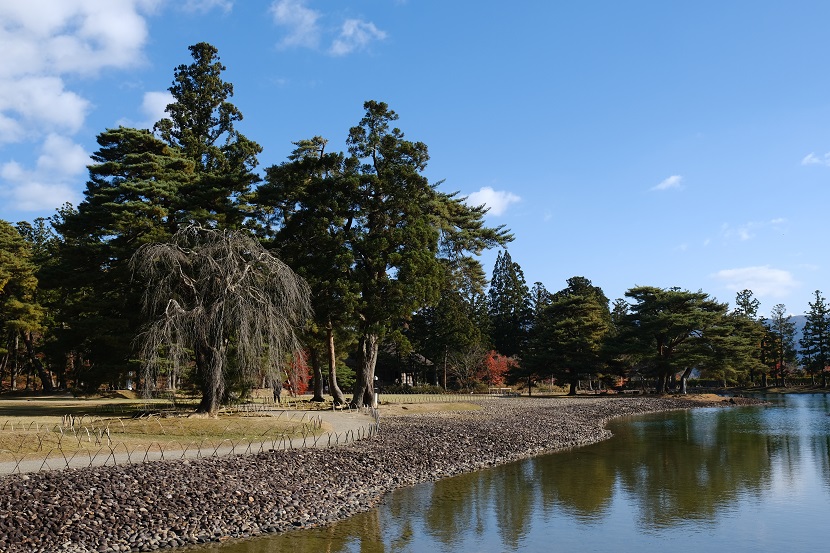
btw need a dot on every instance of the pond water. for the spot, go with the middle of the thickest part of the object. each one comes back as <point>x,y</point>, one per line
<point>711,480</point>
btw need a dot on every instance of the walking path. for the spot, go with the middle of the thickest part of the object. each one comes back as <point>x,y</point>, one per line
<point>339,428</point>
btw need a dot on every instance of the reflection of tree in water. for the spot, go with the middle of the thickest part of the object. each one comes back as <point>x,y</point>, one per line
<point>361,532</point>
<point>820,439</point>
<point>675,467</point>
<point>515,502</point>
<point>466,504</point>
<point>458,506</point>
<point>580,482</point>
<point>689,466</point>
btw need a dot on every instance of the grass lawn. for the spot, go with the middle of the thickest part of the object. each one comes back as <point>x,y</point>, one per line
<point>62,425</point>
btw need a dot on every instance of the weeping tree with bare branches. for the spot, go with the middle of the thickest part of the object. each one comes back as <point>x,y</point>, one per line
<point>218,298</point>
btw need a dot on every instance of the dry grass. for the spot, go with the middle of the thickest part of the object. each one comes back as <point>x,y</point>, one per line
<point>30,426</point>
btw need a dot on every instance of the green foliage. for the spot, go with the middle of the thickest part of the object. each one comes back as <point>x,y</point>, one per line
<point>304,211</point>
<point>779,352</point>
<point>569,334</point>
<point>509,306</point>
<point>668,331</point>
<point>201,125</point>
<point>815,341</point>
<point>19,310</point>
<point>375,239</point>
<point>133,197</point>
<point>20,313</point>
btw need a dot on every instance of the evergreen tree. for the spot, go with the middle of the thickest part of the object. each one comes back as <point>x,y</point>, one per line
<point>779,344</point>
<point>201,124</point>
<point>397,233</point>
<point>815,341</point>
<point>133,196</point>
<point>670,331</point>
<point>20,314</point>
<point>142,189</point>
<point>568,337</point>
<point>751,331</point>
<point>509,306</point>
<point>304,209</point>
<point>369,229</point>
<point>746,305</point>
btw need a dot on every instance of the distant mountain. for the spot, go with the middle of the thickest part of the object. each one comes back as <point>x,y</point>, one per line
<point>798,321</point>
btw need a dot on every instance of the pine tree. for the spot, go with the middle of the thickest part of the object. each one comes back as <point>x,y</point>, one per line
<point>815,341</point>
<point>670,331</point>
<point>368,230</point>
<point>20,314</point>
<point>201,124</point>
<point>133,196</point>
<point>569,334</point>
<point>780,353</point>
<point>509,306</point>
<point>749,333</point>
<point>304,210</point>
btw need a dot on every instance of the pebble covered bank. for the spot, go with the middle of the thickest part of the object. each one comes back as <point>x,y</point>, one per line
<point>167,504</point>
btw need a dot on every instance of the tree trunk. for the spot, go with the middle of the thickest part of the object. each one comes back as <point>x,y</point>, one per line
<point>14,366</point>
<point>446,356</point>
<point>42,373</point>
<point>364,387</point>
<point>3,364</point>
<point>317,372</point>
<point>209,365</point>
<point>684,378</point>
<point>334,388</point>
<point>572,390</point>
<point>529,386</point>
<point>764,381</point>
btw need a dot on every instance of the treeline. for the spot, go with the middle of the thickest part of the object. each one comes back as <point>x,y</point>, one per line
<point>654,337</point>
<point>391,283</point>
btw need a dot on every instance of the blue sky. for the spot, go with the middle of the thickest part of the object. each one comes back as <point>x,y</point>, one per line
<point>634,143</point>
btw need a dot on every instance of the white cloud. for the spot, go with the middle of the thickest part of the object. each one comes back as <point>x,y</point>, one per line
<point>747,231</point>
<point>44,41</point>
<point>46,45</point>
<point>155,105</point>
<point>48,185</point>
<point>299,20</point>
<point>813,159</point>
<point>39,104</point>
<point>762,280</point>
<point>673,182</point>
<point>153,108</point>
<point>496,201</point>
<point>355,35</point>
<point>71,36</point>
<point>303,28</point>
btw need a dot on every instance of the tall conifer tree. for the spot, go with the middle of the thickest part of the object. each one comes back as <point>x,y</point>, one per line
<point>201,124</point>
<point>815,341</point>
<point>509,306</point>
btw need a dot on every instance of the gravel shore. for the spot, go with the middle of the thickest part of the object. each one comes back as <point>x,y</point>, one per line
<point>175,503</point>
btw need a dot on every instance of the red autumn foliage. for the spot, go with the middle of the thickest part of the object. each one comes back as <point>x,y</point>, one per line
<point>298,373</point>
<point>494,368</point>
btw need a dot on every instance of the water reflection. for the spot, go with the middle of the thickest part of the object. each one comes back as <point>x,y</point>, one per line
<point>710,474</point>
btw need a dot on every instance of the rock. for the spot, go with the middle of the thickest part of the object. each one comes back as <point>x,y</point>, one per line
<point>167,504</point>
